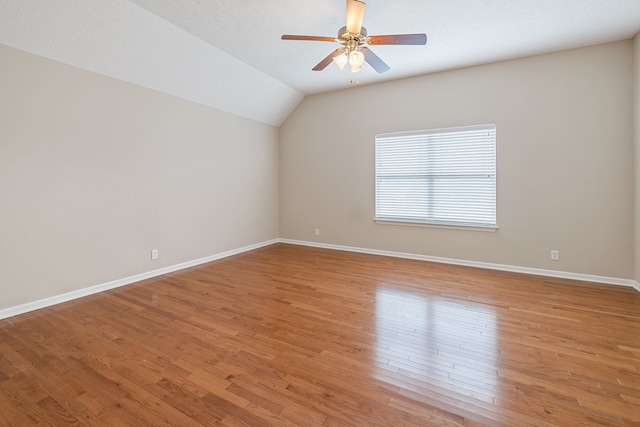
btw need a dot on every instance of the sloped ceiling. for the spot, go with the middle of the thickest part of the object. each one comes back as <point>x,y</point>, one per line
<point>228,54</point>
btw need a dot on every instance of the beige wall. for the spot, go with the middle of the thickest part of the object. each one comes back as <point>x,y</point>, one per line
<point>95,172</point>
<point>636,121</point>
<point>565,168</point>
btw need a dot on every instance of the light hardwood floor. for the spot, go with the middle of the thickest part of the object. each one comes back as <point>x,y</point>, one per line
<point>296,336</point>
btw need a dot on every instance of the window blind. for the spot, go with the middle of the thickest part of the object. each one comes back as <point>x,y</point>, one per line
<point>441,176</point>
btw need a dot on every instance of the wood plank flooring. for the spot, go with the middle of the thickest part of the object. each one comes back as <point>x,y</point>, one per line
<point>295,336</point>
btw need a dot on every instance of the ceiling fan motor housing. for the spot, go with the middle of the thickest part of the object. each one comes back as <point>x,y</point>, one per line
<point>343,34</point>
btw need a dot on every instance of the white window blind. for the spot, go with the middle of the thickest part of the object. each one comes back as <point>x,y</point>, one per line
<point>441,176</point>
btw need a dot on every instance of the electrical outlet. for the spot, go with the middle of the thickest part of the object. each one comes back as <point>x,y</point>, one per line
<point>154,254</point>
<point>555,255</point>
<point>317,231</point>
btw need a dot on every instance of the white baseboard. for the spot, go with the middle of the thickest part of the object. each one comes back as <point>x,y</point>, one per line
<point>501,267</point>
<point>68,296</point>
<point>57,299</point>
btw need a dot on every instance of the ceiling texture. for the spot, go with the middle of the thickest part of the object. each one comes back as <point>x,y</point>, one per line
<point>229,55</point>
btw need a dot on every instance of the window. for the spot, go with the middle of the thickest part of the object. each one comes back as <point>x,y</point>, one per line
<point>441,176</point>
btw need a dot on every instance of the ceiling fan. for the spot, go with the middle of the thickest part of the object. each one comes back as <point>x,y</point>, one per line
<point>354,40</point>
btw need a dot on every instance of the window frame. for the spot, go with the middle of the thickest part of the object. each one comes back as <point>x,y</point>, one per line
<point>453,224</point>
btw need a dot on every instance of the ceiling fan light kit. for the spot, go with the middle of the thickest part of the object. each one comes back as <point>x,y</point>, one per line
<point>341,60</point>
<point>354,40</point>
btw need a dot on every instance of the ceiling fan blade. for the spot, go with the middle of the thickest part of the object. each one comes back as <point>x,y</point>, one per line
<point>374,60</point>
<point>398,39</point>
<point>326,61</point>
<point>309,38</point>
<point>355,14</point>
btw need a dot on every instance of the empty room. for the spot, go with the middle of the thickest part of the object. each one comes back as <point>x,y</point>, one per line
<point>319,213</point>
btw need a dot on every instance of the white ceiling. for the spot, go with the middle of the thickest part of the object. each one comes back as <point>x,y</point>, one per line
<point>228,54</point>
<point>460,32</point>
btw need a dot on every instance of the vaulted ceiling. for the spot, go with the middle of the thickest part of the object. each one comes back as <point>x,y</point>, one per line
<point>229,55</point>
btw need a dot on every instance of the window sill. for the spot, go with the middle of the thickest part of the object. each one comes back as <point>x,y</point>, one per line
<point>451,226</point>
